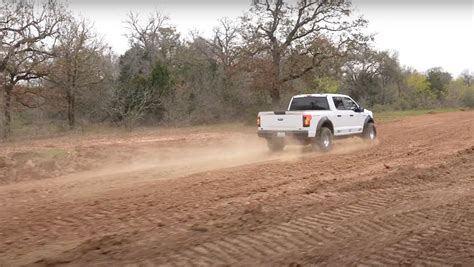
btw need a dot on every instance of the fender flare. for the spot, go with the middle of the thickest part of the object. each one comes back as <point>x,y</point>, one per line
<point>367,120</point>
<point>321,122</point>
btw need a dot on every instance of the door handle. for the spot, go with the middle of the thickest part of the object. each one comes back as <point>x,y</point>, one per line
<point>352,115</point>
<point>339,116</point>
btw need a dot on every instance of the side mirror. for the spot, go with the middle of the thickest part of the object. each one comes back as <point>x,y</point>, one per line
<point>359,109</point>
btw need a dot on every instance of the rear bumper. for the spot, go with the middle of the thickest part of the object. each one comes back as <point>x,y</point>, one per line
<point>300,134</point>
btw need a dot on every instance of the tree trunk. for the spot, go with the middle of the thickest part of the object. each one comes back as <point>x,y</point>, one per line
<point>275,80</point>
<point>7,98</point>
<point>399,89</point>
<point>275,95</point>
<point>383,92</point>
<point>71,110</point>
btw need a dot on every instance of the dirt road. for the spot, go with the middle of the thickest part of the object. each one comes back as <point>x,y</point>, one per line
<point>220,198</point>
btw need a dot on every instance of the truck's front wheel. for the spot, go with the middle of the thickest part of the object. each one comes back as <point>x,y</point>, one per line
<point>370,133</point>
<point>324,140</point>
<point>275,144</point>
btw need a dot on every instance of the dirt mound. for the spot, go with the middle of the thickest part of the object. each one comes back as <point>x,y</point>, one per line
<point>25,166</point>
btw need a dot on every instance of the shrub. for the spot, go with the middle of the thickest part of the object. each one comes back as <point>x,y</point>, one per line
<point>468,97</point>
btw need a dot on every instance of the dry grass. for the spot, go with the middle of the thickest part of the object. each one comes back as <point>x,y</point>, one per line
<point>45,130</point>
<point>387,116</point>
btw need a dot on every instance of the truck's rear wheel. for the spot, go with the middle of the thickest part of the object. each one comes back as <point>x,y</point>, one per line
<point>324,140</point>
<point>370,133</point>
<point>276,144</point>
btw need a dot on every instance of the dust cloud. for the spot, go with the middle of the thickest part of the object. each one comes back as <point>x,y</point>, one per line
<point>171,161</point>
<point>153,161</point>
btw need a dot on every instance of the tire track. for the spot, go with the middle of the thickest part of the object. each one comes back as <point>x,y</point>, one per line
<point>304,234</point>
<point>313,230</point>
<point>452,237</point>
<point>326,229</point>
<point>81,223</point>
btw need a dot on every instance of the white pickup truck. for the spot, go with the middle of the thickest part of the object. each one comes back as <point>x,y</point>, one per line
<point>315,119</point>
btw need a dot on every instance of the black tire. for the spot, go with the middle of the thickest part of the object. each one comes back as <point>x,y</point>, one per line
<point>370,132</point>
<point>276,144</point>
<point>324,139</point>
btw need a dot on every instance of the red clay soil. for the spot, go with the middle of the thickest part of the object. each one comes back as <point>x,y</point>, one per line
<point>222,199</point>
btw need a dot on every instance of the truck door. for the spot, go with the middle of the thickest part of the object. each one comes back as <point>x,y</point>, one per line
<point>356,119</point>
<point>341,117</point>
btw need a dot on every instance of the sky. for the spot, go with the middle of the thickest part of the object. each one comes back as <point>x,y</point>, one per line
<point>425,33</point>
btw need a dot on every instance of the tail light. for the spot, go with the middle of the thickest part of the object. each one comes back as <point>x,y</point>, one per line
<point>258,121</point>
<point>306,120</point>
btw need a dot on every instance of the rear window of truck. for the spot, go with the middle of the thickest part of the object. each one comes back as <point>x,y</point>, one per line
<point>309,103</point>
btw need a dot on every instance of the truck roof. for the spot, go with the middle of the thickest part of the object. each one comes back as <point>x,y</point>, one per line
<point>324,95</point>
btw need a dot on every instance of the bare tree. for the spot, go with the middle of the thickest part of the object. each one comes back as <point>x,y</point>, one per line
<point>78,63</point>
<point>223,48</point>
<point>220,55</point>
<point>225,44</point>
<point>153,35</point>
<point>28,31</point>
<point>145,34</point>
<point>128,110</point>
<point>311,29</point>
<point>467,76</point>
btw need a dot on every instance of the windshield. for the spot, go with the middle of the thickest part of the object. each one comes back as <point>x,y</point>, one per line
<point>309,103</point>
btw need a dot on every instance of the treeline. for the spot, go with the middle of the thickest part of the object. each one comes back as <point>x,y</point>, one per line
<point>55,67</point>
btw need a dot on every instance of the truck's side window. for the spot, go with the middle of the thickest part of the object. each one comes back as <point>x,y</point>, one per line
<point>338,103</point>
<point>349,104</point>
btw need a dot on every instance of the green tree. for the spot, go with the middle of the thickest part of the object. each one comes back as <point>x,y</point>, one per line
<point>141,94</point>
<point>439,80</point>
<point>460,93</point>
<point>419,83</point>
<point>324,85</point>
<point>390,76</point>
<point>145,69</point>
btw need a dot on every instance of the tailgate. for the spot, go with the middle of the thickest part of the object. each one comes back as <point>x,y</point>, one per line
<point>288,121</point>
